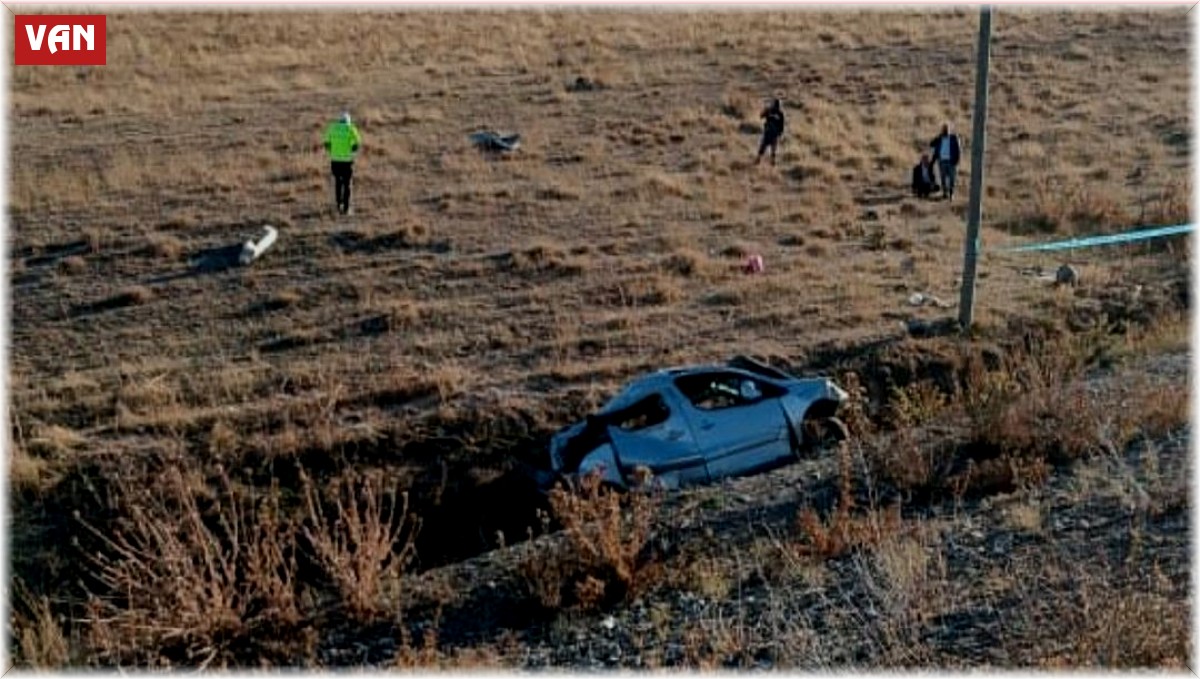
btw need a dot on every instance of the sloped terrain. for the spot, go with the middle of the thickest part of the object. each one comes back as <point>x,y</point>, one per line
<point>407,359</point>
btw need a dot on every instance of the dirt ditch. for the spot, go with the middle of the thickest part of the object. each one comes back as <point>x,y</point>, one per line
<point>466,477</point>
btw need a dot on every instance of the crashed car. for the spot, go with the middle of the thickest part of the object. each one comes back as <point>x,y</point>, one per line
<point>696,425</point>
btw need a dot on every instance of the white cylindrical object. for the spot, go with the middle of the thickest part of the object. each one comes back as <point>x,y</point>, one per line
<point>252,251</point>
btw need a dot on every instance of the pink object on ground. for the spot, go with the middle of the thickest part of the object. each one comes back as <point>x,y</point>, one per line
<point>754,264</point>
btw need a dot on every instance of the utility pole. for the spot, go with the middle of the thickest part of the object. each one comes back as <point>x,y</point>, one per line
<point>966,306</point>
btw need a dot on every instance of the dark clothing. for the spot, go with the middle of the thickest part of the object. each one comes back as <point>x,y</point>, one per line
<point>772,131</point>
<point>948,173</point>
<point>955,150</point>
<point>343,173</point>
<point>923,180</point>
<point>947,167</point>
<point>768,143</point>
<point>775,121</point>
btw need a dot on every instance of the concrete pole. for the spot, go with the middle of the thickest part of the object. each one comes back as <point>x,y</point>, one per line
<point>966,307</point>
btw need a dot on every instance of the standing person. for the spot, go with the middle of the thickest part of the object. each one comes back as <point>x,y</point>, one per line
<point>342,142</point>
<point>947,151</point>
<point>772,129</point>
<point>923,181</point>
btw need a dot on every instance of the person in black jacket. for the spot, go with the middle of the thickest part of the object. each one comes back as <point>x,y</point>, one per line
<point>947,151</point>
<point>923,181</point>
<point>772,129</point>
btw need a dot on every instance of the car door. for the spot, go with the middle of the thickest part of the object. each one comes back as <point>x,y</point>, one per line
<point>654,434</point>
<point>739,424</point>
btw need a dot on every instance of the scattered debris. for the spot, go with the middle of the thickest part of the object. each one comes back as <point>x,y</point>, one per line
<point>923,299</point>
<point>1066,275</point>
<point>583,84</point>
<point>678,425</point>
<point>252,251</point>
<point>495,142</point>
<point>754,264</point>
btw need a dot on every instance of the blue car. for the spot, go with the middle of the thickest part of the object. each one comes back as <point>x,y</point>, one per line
<point>696,425</point>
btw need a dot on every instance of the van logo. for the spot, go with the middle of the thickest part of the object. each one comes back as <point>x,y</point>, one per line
<point>60,40</point>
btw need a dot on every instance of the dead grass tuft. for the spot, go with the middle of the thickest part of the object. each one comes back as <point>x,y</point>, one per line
<point>186,584</point>
<point>54,441</point>
<point>362,536</point>
<point>844,530</point>
<point>1072,208</point>
<point>605,558</point>
<point>132,296</point>
<point>1016,423</point>
<point>73,265</point>
<point>687,263</point>
<point>163,246</point>
<point>40,642</point>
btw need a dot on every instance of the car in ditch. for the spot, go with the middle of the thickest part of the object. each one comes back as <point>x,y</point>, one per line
<point>695,425</point>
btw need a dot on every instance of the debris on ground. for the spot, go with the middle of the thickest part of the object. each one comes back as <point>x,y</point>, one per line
<point>1066,275</point>
<point>584,84</point>
<point>923,299</point>
<point>252,250</point>
<point>754,264</point>
<point>495,142</point>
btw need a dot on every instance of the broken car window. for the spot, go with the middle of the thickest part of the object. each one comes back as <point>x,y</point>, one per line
<point>714,391</point>
<point>643,414</point>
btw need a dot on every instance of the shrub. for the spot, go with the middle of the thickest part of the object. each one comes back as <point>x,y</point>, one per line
<point>605,556</point>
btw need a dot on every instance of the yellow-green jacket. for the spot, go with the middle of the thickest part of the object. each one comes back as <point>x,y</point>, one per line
<point>342,141</point>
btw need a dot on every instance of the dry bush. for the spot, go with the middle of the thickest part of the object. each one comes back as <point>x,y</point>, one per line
<point>1130,628</point>
<point>544,257</point>
<point>1171,206</point>
<point>73,265</point>
<point>194,580</point>
<point>606,554</point>
<point>1061,206</point>
<point>687,263</point>
<point>906,462</point>
<point>412,656</point>
<point>1040,408</point>
<point>160,246</point>
<point>844,530</point>
<point>361,538</point>
<point>915,405</point>
<point>222,439</point>
<point>39,638</point>
<point>639,291</point>
<point>854,412</point>
<point>131,296</point>
<point>1111,620</point>
<point>53,441</point>
<point>904,580</point>
<point>26,473</point>
<point>1036,412</point>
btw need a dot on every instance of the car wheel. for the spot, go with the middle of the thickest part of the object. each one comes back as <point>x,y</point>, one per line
<point>822,433</point>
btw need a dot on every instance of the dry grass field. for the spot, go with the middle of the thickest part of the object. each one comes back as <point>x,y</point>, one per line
<point>309,461</point>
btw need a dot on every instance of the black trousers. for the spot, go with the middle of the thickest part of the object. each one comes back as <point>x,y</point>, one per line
<point>769,141</point>
<point>343,172</point>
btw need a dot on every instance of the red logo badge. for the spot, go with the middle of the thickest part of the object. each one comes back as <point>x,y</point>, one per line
<point>60,40</point>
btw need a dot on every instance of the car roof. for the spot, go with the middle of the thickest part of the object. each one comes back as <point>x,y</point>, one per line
<point>643,386</point>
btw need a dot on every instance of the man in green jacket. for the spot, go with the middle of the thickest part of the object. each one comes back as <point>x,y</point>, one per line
<point>342,142</point>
